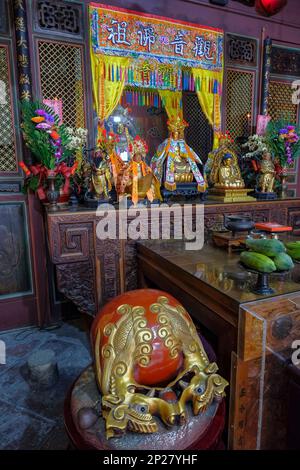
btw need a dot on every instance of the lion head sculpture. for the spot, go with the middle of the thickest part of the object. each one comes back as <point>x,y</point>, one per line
<point>150,363</point>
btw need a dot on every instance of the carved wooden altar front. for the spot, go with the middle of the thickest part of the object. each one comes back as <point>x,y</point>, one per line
<point>91,271</point>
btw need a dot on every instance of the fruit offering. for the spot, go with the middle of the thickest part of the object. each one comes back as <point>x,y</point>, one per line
<point>258,262</point>
<point>267,255</point>
<point>266,246</point>
<point>283,262</point>
<point>293,250</point>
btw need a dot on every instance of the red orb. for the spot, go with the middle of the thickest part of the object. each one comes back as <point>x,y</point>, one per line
<point>269,7</point>
<point>162,367</point>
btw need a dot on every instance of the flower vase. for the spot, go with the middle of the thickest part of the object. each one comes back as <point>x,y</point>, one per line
<point>283,190</point>
<point>283,183</point>
<point>52,193</point>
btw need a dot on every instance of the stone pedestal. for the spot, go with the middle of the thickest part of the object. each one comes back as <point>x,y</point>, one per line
<point>42,371</point>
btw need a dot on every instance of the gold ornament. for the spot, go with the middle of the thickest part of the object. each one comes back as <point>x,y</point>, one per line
<point>126,344</point>
<point>225,176</point>
<point>267,174</point>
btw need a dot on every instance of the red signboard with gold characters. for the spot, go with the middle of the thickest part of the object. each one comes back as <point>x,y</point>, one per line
<point>120,32</point>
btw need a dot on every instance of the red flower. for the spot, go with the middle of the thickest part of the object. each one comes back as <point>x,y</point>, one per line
<point>54,135</point>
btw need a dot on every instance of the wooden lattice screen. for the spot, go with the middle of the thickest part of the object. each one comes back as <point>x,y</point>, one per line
<point>61,77</point>
<point>280,102</point>
<point>239,101</point>
<point>7,135</point>
<point>199,134</point>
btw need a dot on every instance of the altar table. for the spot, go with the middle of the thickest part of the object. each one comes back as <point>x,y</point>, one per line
<point>251,334</point>
<point>90,272</point>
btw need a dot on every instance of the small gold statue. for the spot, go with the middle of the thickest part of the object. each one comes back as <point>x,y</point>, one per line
<point>175,162</point>
<point>229,174</point>
<point>225,177</point>
<point>101,178</point>
<point>267,174</point>
<point>182,170</point>
<point>136,179</point>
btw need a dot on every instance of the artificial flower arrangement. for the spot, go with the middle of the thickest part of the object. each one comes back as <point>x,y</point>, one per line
<point>57,148</point>
<point>256,145</point>
<point>284,143</point>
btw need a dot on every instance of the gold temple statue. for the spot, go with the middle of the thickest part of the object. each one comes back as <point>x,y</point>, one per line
<point>136,180</point>
<point>229,175</point>
<point>175,162</point>
<point>101,180</point>
<point>225,177</point>
<point>267,174</point>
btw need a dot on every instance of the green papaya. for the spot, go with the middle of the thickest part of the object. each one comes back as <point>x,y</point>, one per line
<point>257,261</point>
<point>265,246</point>
<point>294,254</point>
<point>293,245</point>
<point>283,262</point>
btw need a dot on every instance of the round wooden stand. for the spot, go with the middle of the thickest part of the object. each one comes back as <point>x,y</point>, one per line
<point>76,398</point>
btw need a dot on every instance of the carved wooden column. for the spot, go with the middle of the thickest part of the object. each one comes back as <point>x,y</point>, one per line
<point>23,58</point>
<point>266,76</point>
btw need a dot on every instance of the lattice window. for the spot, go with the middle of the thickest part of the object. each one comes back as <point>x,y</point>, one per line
<point>241,50</point>
<point>280,102</point>
<point>285,61</point>
<point>239,102</point>
<point>59,16</point>
<point>7,136</point>
<point>198,134</point>
<point>61,75</point>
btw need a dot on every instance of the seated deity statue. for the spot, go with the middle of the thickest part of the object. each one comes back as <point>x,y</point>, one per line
<point>229,175</point>
<point>224,142</point>
<point>175,162</point>
<point>225,172</point>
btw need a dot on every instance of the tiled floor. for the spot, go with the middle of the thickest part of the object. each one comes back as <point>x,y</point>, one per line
<point>32,419</point>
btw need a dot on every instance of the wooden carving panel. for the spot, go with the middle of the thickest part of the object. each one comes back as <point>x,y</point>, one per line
<point>71,241</point>
<point>58,17</point>
<point>91,271</point>
<point>75,241</point>
<point>15,270</point>
<point>130,265</point>
<point>111,276</point>
<point>77,282</point>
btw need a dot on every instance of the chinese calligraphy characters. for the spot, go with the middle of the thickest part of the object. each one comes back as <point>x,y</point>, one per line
<point>156,41</point>
<point>118,32</point>
<point>179,43</point>
<point>147,37</point>
<point>203,48</point>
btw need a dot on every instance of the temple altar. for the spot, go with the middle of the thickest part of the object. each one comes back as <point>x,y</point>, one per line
<point>150,227</point>
<point>79,257</point>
